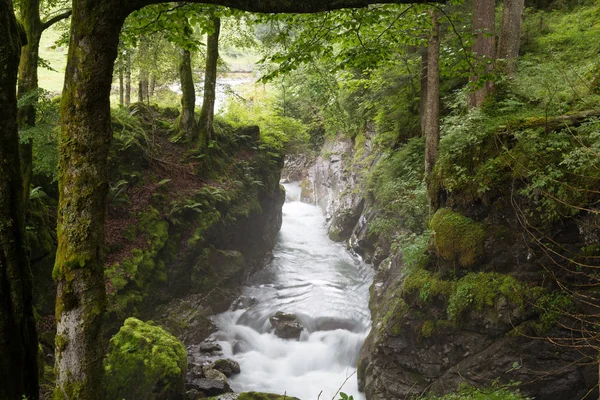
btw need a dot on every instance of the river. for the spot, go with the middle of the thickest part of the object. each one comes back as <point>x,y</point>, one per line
<point>327,288</point>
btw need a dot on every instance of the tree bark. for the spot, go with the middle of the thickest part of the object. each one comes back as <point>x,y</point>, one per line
<point>18,336</point>
<point>432,115</point>
<point>83,151</point>
<point>207,114</point>
<point>509,41</point>
<point>187,121</point>
<point>484,13</point>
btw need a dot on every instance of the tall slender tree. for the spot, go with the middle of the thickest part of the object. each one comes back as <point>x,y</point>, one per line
<point>207,112</point>
<point>18,336</point>
<point>484,19</point>
<point>187,121</point>
<point>432,110</point>
<point>30,17</point>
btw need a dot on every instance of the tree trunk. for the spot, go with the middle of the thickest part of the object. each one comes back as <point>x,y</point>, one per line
<point>128,80</point>
<point>152,85</point>
<point>83,151</point>
<point>143,86</point>
<point>187,121</point>
<point>432,115</point>
<point>121,86</point>
<point>28,82</point>
<point>483,49</point>
<point>210,81</point>
<point>423,98</point>
<point>510,35</point>
<point>18,336</point>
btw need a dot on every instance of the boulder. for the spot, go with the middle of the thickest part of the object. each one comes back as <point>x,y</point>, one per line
<point>287,326</point>
<point>145,362</point>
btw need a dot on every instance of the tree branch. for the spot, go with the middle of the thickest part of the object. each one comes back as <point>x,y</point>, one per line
<point>59,17</point>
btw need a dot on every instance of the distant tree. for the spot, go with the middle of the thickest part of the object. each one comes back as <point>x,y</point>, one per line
<point>510,35</point>
<point>31,17</point>
<point>432,113</point>
<point>210,80</point>
<point>484,31</point>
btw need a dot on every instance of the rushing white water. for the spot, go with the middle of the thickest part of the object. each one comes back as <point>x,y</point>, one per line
<point>322,284</point>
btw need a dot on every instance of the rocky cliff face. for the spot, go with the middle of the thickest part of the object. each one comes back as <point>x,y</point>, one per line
<point>467,302</point>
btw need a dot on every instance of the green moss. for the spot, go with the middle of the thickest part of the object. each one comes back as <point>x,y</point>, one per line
<point>475,291</point>
<point>129,280</point>
<point>428,328</point>
<point>144,361</point>
<point>61,342</point>
<point>428,285</point>
<point>457,238</point>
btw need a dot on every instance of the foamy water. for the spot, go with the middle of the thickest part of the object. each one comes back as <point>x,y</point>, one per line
<point>328,289</point>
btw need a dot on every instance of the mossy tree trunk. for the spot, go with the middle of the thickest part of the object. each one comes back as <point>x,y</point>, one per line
<point>484,30</point>
<point>83,153</point>
<point>432,115</point>
<point>187,121</point>
<point>28,78</point>
<point>509,41</point>
<point>18,336</point>
<point>84,144</point>
<point>210,81</point>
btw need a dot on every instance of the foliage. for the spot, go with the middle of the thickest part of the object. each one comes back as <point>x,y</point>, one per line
<point>277,131</point>
<point>399,191</point>
<point>44,135</point>
<point>144,361</point>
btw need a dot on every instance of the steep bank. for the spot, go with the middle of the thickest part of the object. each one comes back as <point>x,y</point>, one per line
<point>183,229</point>
<point>465,297</point>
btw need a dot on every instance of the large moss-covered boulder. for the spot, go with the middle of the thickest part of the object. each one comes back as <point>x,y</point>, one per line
<point>145,362</point>
<point>457,238</point>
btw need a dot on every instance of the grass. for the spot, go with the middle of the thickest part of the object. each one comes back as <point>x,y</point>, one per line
<point>56,57</point>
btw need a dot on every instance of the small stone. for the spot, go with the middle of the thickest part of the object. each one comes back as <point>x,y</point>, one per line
<point>211,387</point>
<point>210,347</point>
<point>211,373</point>
<point>226,366</point>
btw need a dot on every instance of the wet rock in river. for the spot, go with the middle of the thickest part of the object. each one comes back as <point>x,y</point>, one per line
<point>287,326</point>
<point>210,347</point>
<point>226,366</point>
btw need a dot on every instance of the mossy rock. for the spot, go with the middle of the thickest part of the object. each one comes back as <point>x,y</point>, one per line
<point>145,362</point>
<point>252,396</point>
<point>457,238</point>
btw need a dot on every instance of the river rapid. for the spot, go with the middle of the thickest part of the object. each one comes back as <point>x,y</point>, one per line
<point>327,288</point>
